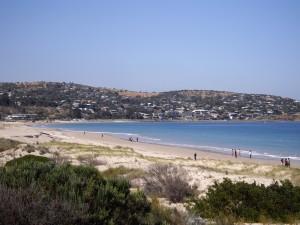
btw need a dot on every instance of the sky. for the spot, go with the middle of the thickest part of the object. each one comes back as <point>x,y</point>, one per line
<point>248,46</point>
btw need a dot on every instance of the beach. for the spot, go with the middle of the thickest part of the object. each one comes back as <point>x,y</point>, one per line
<point>110,151</point>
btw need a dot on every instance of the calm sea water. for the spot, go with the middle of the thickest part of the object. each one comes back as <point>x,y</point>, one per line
<point>265,139</point>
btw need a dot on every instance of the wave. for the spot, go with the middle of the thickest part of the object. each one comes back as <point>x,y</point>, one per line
<point>123,121</point>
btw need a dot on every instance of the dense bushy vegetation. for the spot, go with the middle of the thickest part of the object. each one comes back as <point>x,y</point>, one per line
<point>241,201</point>
<point>35,190</point>
<point>169,181</point>
<point>30,206</point>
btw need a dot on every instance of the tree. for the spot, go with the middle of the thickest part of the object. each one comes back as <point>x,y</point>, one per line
<point>4,100</point>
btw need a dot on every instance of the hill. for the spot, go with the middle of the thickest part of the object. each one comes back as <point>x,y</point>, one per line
<point>54,100</point>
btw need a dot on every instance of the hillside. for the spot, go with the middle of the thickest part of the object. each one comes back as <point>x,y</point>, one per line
<point>54,100</point>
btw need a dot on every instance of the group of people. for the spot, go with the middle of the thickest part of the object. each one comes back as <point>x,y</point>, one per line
<point>237,152</point>
<point>131,139</point>
<point>285,162</point>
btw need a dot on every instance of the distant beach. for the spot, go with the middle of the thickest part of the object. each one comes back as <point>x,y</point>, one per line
<point>267,139</point>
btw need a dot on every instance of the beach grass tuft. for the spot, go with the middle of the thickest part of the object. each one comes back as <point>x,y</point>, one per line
<point>122,171</point>
<point>6,144</point>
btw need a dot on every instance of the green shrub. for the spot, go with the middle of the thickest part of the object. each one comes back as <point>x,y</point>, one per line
<point>98,200</point>
<point>278,202</point>
<point>27,159</point>
<point>30,206</point>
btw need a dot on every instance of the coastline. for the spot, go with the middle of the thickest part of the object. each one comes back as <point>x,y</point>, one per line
<point>258,152</point>
<point>168,150</point>
<point>163,120</point>
<point>208,168</point>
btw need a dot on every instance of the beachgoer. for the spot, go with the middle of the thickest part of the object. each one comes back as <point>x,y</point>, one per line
<point>282,160</point>
<point>250,154</point>
<point>102,135</point>
<point>195,156</point>
<point>286,162</point>
<point>137,139</point>
<point>83,132</point>
<point>235,153</point>
<point>289,162</point>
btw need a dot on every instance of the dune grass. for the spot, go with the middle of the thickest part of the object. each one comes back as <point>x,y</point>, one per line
<point>88,148</point>
<point>122,171</point>
<point>6,144</point>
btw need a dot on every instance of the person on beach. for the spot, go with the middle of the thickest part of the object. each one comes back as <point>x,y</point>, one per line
<point>102,135</point>
<point>250,154</point>
<point>195,156</point>
<point>137,139</point>
<point>289,162</point>
<point>282,161</point>
<point>235,153</point>
<point>83,132</point>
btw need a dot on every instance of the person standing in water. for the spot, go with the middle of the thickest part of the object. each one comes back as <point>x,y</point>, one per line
<point>235,153</point>
<point>250,154</point>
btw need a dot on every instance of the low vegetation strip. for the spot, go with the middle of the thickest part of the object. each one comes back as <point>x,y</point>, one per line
<point>6,144</point>
<point>80,148</point>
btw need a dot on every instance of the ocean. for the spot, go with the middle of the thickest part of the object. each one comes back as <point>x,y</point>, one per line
<point>265,139</point>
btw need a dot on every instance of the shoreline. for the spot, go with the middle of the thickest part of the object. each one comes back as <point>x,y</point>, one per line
<point>224,151</point>
<point>159,120</point>
<point>178,150</point>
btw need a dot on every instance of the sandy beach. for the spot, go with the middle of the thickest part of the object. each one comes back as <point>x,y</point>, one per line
<point>110,151</point>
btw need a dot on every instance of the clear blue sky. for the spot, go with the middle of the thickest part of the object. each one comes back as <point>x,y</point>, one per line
<point>246,46</point>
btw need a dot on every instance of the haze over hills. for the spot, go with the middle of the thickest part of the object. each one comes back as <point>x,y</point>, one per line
<point>56,100</point>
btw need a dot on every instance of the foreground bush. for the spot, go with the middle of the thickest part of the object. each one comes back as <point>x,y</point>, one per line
<point>168,181</point>
<point>35,190</point>
<point>279,202</point>
<point>30,206</point>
